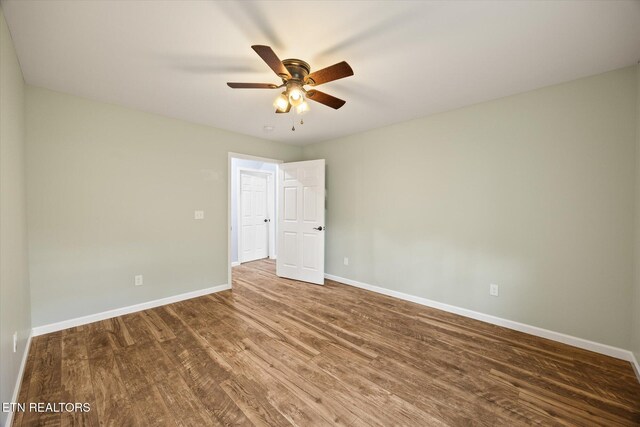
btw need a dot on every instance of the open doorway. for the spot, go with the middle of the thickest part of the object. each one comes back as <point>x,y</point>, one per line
<point>276,211</point>
<point>252,205</point>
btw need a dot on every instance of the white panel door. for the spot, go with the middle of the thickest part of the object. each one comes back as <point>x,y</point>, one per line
<point>254,220</point>
<point>301,221</point>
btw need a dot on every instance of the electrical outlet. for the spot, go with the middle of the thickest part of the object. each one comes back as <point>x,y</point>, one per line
<point>494,290</point>
<point>15,341</point>
<point>346,261</point>
<point>138,280</point>
<point>198,215</point>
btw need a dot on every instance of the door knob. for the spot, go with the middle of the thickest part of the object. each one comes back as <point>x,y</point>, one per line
<point>318,228</point>
<point>265,220</point>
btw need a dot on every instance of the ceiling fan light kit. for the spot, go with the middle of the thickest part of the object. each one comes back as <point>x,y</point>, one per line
<point>281,102</point>
<point>295,75</point>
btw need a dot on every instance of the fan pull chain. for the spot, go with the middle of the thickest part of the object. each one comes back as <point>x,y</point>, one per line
<point>293,120</point>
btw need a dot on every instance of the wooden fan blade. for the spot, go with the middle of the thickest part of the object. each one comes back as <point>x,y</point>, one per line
<point>252,85</point>
<point>329,74</point>
<point>323,98</point>
<point>285,111</point>
<point>268,55</point>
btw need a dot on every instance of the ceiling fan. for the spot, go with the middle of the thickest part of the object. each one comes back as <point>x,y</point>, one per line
<point>296,74</point>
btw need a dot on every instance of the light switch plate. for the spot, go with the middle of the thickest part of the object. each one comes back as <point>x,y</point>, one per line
<point>198,215</point>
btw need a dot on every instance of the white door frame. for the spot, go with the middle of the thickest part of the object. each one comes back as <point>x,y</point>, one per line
<point>232,155</point>
<point>271,195</point>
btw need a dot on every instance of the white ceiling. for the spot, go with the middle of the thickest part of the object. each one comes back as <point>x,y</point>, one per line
<point>410,58</point>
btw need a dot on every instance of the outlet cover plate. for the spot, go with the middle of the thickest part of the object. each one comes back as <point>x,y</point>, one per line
<point>494,290</point>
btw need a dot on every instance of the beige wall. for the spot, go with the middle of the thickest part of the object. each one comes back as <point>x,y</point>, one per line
<point>534,192</point>
<point>635,339</point>
<point>15,313</point>
<point>112,193</point>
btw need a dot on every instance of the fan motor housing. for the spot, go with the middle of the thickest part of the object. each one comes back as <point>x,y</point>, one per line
<point>298,68</point>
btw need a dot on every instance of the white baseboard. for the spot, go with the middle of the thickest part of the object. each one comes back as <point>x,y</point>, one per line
<point>605,349</point>
<point>16,388</point>
<point>65,324</point>
<point>235,263</point>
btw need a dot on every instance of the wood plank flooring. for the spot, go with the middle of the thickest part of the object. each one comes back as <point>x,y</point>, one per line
<point>280,352</point>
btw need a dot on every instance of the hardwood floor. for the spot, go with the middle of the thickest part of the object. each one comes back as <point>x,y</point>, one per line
<point>280,352</point>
